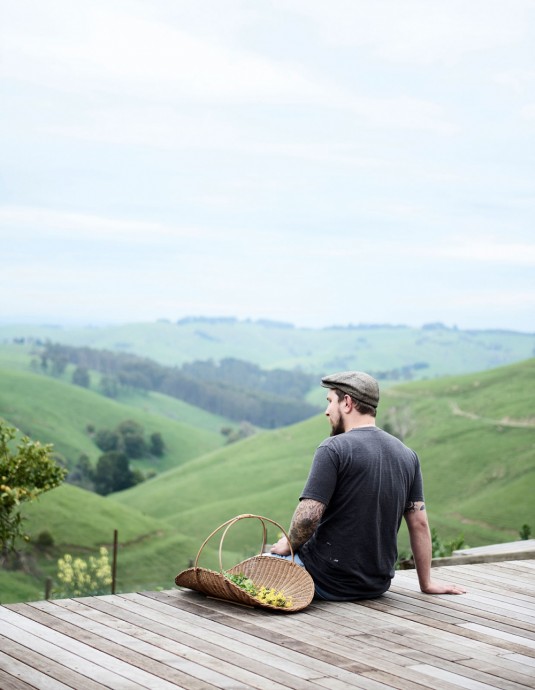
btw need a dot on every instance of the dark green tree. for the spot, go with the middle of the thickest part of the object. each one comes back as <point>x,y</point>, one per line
<point>80,377</point>
<point>82,474</point>
<point>113,473</point>
<point>109,386</point>
<point>134,445</point>
<point>108,440</point>
<point>132,438</point>
<point>59,364</point>
<point>129,426</point>
<point>157,445</point>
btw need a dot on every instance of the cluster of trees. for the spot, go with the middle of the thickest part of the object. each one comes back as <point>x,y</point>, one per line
<point>113,471</point>
<point>235,389</point>
<point>404,373</point>
<point>243,431</point>
<point>129,437</point>
<point>288,384</point>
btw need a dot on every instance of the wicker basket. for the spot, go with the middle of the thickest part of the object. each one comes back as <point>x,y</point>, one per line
<point>283,575</point>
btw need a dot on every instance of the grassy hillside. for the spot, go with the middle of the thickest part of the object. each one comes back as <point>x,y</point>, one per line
<point>472,433</point>
<point>475,436</point>
<point>56,412</point>
<point>163,405</point>
<point>262,475</point>
<point>476,439</point>
<point>19,357</point>
<point>446,351</point>
<point>150,552</point>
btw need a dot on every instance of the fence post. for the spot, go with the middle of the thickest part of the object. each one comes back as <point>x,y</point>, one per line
<point>48,588</point>
<point>114,563</point>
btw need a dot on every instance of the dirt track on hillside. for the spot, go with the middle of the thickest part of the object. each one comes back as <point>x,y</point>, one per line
<point>505,421</point>
<point>528,423</point>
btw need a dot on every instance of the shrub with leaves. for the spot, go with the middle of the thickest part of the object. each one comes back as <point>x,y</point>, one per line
<point>80,578</point>
<point>525,532</point>
<point>442,549</point>
<point>26,471</point>
<point>44,541</point>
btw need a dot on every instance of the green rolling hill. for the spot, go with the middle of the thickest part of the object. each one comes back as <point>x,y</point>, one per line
<point>57,412</point>
<point>150,551</point>
<point>475,435</point>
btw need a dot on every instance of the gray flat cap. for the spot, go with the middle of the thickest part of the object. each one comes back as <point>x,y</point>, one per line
<point>357,384</point>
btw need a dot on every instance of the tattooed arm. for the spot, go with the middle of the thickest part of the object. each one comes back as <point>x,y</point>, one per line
<point>420,537</point>
<point>306,518</point>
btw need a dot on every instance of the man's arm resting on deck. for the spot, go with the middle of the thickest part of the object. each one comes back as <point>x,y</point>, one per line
<point>422,550</point>
<point>305,521</point>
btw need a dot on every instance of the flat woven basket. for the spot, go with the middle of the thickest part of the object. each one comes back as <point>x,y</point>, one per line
<point>265,571</point>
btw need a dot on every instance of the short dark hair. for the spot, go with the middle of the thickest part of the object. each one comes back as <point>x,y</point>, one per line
<point>361,407</point>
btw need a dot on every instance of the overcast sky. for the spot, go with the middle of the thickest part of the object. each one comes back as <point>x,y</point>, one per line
<point>312,161</point>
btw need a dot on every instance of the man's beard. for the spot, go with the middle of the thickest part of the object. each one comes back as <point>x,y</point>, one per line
<point>338,428</point>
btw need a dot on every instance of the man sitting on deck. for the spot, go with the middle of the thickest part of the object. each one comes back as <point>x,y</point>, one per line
<point>361,483</point>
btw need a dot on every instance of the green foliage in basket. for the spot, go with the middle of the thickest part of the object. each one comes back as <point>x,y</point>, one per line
<point>264,594</point>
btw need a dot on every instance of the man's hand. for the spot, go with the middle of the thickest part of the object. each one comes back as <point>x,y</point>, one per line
<point>435,587</point>
<point>282,547</point>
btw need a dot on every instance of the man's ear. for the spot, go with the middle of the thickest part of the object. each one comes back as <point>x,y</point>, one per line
<point>349,402</point>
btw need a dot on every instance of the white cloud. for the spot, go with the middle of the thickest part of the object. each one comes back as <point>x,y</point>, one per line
<point>92,50</point>
<point>393,136</point>
<point>449,248</point>
<point>170,129</point>
<point>418,31</point>
<point>90,46</point>
<point>521,81</point>
<point>19,221</point>
<point>482,251</point>
<point>160,244</point>
<point>512,299</point>
<point>528,112</point>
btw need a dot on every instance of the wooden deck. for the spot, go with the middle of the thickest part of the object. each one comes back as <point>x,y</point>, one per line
<point>178,638</point>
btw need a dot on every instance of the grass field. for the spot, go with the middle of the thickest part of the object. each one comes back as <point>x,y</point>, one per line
<point>150,552</point>
<point>474,434</point>
<point>479,468</point>
<point>56,412</point>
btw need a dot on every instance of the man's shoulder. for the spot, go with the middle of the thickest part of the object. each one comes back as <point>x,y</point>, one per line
<point>353,437</point>
<point>397,445</point>
<point>366,436</point>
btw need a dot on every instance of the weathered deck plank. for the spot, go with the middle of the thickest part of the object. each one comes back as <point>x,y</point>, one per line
<point>180,639</point>
<point>48,666</point>
<point>9,682</point>
<point>389,660</point>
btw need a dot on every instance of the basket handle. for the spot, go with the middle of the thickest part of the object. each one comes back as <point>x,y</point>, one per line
<point>228,524</point>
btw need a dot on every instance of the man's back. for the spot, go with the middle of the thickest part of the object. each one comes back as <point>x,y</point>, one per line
<point>366,478</point>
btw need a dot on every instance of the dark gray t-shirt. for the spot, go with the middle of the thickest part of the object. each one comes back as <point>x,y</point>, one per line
<point>366,478</point>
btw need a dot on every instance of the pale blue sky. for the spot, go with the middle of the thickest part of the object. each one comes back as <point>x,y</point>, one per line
<point>317,162</point>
